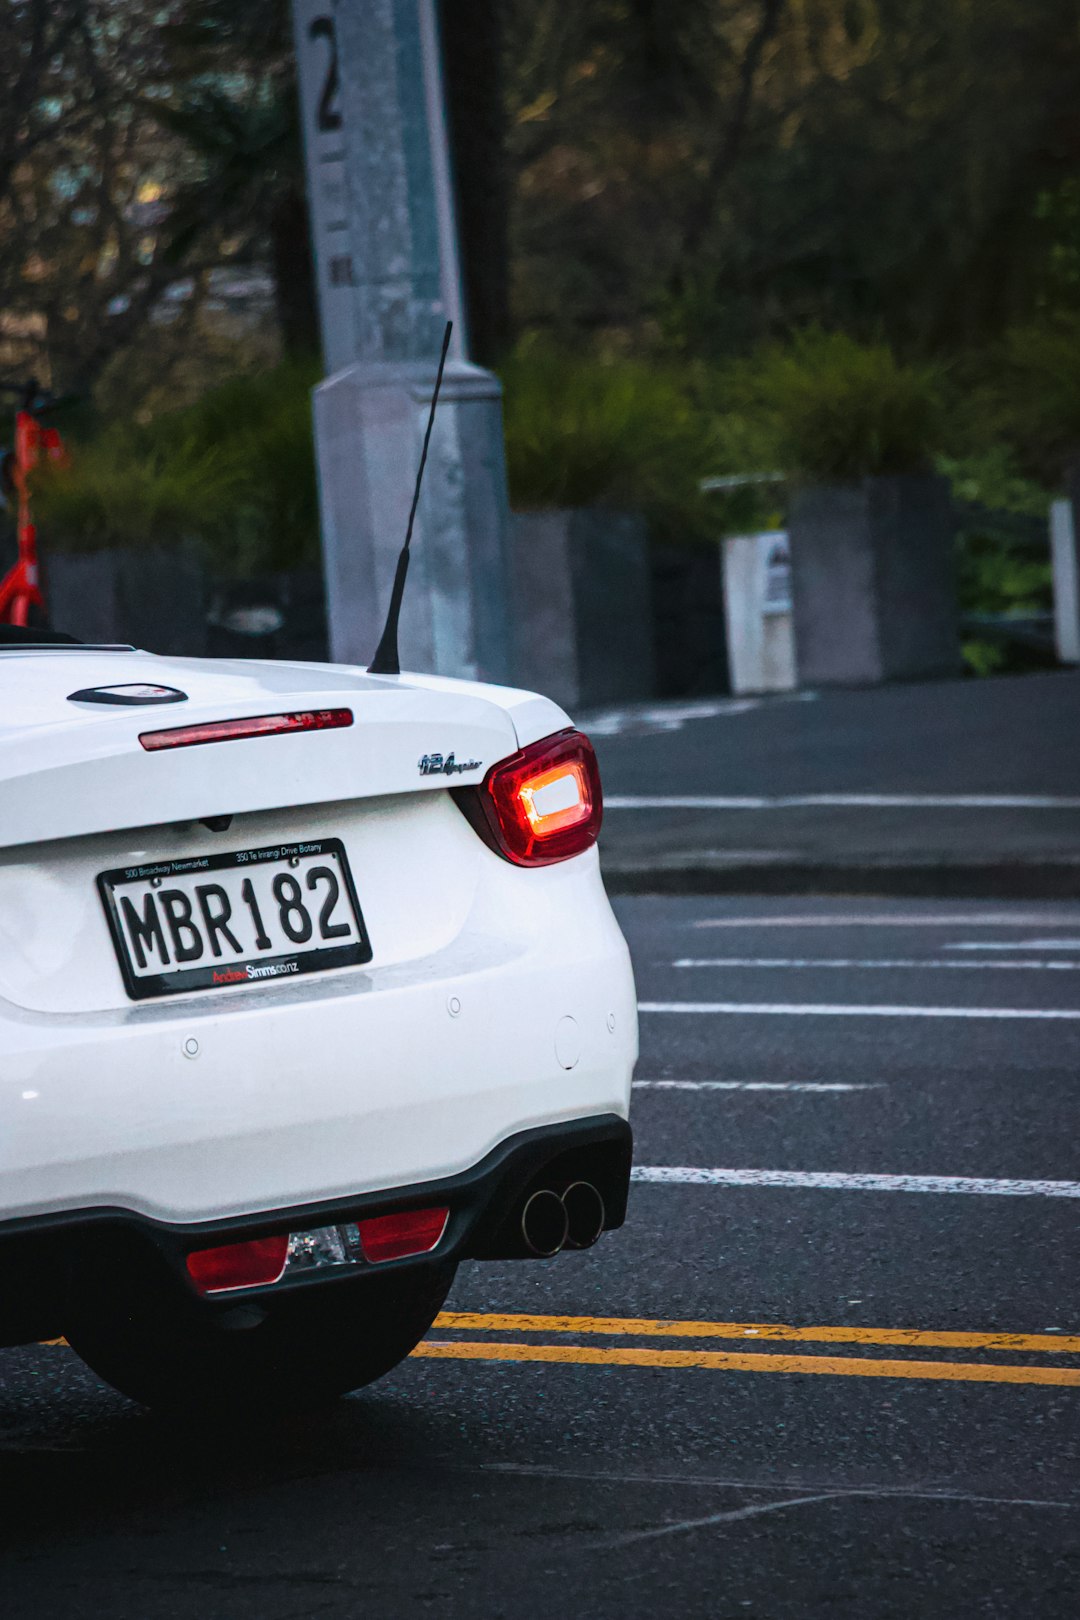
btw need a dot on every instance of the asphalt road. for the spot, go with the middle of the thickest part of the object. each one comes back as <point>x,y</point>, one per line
<point>934,787</point>
<point>1010,735</point>
<point>824,1393</point>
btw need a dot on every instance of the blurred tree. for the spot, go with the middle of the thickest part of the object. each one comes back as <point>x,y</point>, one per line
<point>82,178</point>
<point>473,60</point>
<point>229,74</point>
<point>691,175</point>
<point>931,156</point>
<point>143,146</point>
<point>34,37</point>
<point>92,178</point>
<point>234,103</point>
<point>721,169</point>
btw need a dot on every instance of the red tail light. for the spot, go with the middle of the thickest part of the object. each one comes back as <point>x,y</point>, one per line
<point>238,1265</point>
<point>256,725</point>
<point>410,1231</point>
<point>541,805</point>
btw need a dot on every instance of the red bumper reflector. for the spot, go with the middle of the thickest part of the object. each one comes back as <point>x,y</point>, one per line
<point>258,725</point>
<point>411,1231</point>
<point>238,1265</point>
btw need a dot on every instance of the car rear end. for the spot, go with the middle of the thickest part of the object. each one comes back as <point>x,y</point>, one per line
<point>304,975</point>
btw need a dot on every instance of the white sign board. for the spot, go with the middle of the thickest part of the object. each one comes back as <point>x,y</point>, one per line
<point>757,605</point>
<point>774,563</point>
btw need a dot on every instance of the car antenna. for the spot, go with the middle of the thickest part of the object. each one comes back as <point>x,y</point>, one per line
<point>386,660</point>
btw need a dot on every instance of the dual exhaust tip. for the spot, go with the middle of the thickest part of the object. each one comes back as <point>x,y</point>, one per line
<point>572,1220</point>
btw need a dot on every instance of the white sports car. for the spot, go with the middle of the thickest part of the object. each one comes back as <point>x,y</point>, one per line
<point>309,988</point>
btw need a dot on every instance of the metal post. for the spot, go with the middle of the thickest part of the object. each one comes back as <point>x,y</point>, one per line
<point>379,180</point>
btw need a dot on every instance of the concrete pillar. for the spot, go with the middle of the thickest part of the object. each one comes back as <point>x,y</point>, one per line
<point>369,422</point>
<point>388,274</point>
<point>1065,557</point>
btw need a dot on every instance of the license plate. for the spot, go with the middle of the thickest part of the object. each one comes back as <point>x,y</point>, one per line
<point>250,917</point>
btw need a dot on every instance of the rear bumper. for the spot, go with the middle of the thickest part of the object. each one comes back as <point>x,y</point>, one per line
<point>54,1266</point>
<point>211,1107</point>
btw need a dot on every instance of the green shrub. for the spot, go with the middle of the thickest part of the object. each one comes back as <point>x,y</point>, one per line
<point>588,431</point>
<point>1002,566</point>
<point>837,411</point>
<point>262,423</point>
<point>1031,398</point>
<point>992,477</point>
<point>236,471</point>
<point>119,492</point>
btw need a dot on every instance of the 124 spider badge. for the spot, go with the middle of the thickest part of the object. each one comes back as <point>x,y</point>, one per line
<point>437,765</point>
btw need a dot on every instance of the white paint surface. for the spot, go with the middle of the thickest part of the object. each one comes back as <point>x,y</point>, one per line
<point>839,1181</point>
<point>755,1085</point>
<point>986,919</point>
<point>662,716</point>
<point>826,1009</point>
<point>843,801</point>
<point>267,1096</point>
<point>728,1516</point>
<point>927,963</point>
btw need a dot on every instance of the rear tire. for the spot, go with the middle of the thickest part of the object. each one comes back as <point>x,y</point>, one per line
<point>310,1349</point>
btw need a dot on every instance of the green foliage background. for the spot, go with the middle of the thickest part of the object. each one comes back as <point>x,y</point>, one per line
<point>235,471</point>
<point>825,238</point>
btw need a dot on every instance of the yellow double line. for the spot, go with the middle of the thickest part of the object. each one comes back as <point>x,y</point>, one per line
<point>981,1372</point>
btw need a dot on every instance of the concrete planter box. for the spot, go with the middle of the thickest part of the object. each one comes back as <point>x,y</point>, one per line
<point>163,599</point>
<point>688,620</point>
<point>873,582</point>
<point>582,606</point>
<point>154,597</point>
<point>270,616</point>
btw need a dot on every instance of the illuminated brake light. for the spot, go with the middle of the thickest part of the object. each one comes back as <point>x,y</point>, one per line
<point>258,725</point>
<point>410,1231</point>
<point>238,1265</point>
<point>541,805</point>
<point>556,799</point>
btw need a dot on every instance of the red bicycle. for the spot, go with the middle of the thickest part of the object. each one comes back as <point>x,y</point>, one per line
<point>21,599</point>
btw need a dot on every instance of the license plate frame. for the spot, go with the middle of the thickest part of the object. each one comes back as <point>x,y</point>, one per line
<point>208,974</point>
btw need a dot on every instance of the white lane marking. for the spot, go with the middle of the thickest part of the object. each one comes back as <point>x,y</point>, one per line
<point>988,919</point>
<point>666,717</point>
<point>1000,965</point>
<point>728,1516</point>
<point>1018,945</point>
<point>825,1009</point>
<point>841,801</point>
<point>838,1181</point>
<point>714,1482</point>
<point>646,717</point>
<point>755,1085</point>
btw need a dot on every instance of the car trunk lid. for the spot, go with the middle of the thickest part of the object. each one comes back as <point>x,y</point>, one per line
<point>76,766</point>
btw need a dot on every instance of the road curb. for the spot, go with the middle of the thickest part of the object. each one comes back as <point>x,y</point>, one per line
<point>927,879</point>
